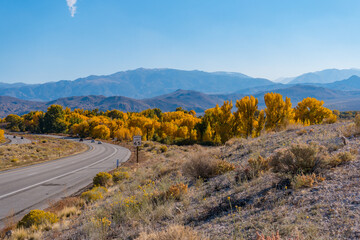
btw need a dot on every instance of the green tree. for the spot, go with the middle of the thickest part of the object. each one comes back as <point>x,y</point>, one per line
<point>54,119</point>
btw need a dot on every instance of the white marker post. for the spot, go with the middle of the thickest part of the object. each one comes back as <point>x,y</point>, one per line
<point>137,144</point>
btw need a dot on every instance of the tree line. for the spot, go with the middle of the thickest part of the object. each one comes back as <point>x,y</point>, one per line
<point>216,126</point>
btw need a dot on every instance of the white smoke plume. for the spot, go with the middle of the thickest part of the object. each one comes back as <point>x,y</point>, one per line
<point>72,7</point>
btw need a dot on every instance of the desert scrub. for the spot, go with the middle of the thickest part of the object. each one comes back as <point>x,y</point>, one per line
<point>174,232</point>
<point>37,217</point>
<point>100,227</point>
<point>177,191</point>
<point>102,179</point>
<point>258,165</point>
<point>205,165</point>
<point>299,158</point>
<point>163,149</point>
<point>340,158</point>
<point>120,176</point>
<point>94,194</point>
<point>306,181</point>
<point>147,203</point>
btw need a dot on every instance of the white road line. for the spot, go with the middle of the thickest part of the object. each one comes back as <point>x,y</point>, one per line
<point>62,175</point>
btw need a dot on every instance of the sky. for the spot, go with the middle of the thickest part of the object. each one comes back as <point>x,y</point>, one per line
<point>51,40</point>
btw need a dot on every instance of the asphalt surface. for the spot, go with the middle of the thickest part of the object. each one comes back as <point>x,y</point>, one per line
<point>34,187</point>
<point>16,140</point>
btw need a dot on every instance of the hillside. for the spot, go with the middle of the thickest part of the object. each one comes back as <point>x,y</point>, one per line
<point>244,203</point>
<point>139,84</point>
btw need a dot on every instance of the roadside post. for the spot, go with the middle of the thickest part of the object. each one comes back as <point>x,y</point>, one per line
<point>117,163</point>
<point>137,144</point>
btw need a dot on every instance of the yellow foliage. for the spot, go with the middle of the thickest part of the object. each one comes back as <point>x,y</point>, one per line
<point>311,111</point>
<point>278,112</point>
<point>245,119</point>
<point>37,217</point>
<point>2,137</point>
<point>207,137</point>
<point>123,134</point>
<point>94,194</point>
<point>101,131</point>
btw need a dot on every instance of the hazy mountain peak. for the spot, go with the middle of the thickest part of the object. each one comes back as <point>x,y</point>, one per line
<point>326,76</point>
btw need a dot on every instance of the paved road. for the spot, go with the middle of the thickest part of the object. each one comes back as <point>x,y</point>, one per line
<point>16,140</point>
<point>35,186</point>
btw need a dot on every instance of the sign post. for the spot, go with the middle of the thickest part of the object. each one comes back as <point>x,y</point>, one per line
<point>137,144</point>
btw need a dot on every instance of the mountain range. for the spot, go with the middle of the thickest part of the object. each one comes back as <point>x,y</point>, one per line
<point>168,89</point>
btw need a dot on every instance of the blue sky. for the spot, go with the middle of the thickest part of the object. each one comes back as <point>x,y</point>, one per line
<point>40,41</point>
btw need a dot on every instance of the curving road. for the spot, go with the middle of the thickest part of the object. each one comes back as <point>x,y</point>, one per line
<point>16,140</point>
<point>35,186</point>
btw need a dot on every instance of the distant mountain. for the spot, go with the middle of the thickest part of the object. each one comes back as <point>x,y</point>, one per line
<point>334,99</point>
<point>140,83</point>
<point>11,85</point>
<point>186,99</point>
<point>350,84</point>
<point>325,76</point>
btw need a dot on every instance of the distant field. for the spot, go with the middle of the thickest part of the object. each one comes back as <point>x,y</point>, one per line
<point>41,149</point>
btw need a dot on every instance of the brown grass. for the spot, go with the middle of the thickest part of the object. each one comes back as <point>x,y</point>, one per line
<point>41,149</point>
<point>174,232</point>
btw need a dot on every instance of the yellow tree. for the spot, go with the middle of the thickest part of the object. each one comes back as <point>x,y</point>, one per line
<point>312,111</point>
<point>278,112</point>
<point>221,121</point>
<point>123,134</point>
<point>208,134</point>
<point>2,137</point>
<point>101,131</point>
<point>245,116</point>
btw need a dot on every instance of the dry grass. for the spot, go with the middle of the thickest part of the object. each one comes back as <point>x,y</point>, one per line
<point>42,149</point>
<point>174,232</point>
<point>206,165</point>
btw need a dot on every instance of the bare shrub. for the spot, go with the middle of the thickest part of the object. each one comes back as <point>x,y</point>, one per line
<point>202,165</point>
<point>205,165</point>
<point>340,158</point>
<point>299,158</point>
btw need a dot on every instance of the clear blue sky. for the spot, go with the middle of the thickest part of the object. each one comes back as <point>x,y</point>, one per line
<point>40,41</point>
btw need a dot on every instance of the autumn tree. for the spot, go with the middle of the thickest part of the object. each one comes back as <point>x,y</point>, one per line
<point>278,112</point>
<point>310,110</point>
<point>15,123</point>
<point>81,129</point>
<point>247,117</point>
<point>32,121</point>
<point>2,137</point>
<point>208,134</point>
<point>221,121</point>
<point>123,134</point>
<point>100,131</point>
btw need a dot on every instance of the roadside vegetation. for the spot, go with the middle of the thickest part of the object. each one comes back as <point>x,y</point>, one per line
<point>41,149</point>
<point>298,183</point>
